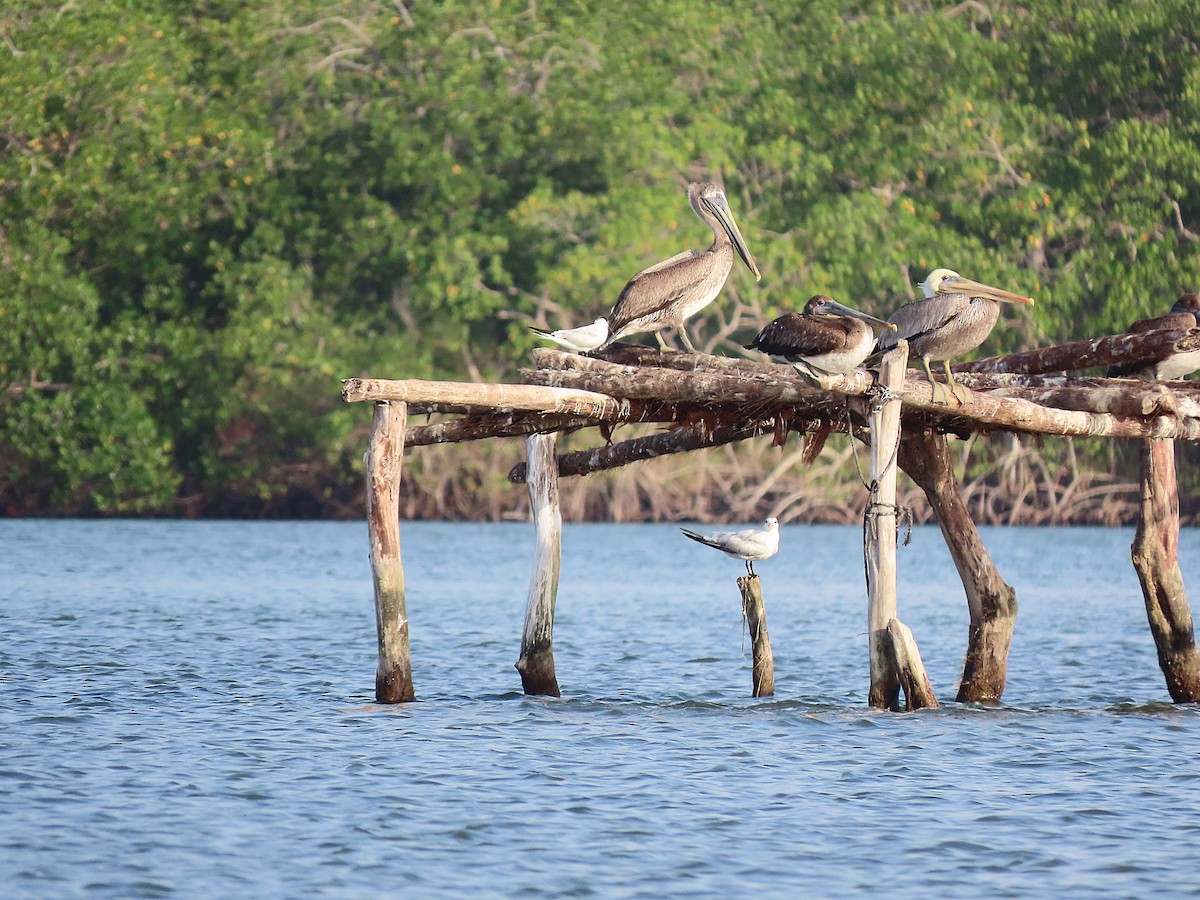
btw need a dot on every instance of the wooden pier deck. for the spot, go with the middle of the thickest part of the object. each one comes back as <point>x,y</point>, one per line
<point>705,401</point>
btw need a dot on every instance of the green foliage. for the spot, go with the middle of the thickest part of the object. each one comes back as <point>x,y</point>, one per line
<point>209,215</point>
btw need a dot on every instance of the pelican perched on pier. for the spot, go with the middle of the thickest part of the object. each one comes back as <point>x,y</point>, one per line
<point>955,316</point>
<point>746,545</point>
<point>668,293</point>
<point>826,337</point>
<point>1184,314</point>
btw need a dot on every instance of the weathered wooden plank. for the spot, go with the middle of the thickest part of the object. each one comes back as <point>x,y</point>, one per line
<point>992,603</point>
<point>384,460</point>
<point>536,663</point>
<point>486,396</point>
<point>879,532</point>
<point>1156,559</point>
<point>762,679</point>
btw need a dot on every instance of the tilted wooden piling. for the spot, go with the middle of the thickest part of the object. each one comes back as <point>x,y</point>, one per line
<point>1156,559</point>
<point>755,611</point>
<point>385,458</point>
<point>906,660</point>
<point>992,603</point>
<point>536,663</point>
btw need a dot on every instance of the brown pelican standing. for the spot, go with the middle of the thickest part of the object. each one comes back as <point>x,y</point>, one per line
<point>956,316</point>
<point>826,338</point>
<point>746,545</point>
<point>1184,314</point>
<point>673,290</point>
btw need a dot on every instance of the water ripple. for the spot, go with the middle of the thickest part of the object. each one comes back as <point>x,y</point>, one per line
<point>212,731</point>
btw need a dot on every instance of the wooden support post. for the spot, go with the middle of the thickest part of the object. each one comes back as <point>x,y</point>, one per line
<point>879,531</point>
<point>536,664</point>
<point>1156,558</point>
<point>925,457</point>
<point>385,458</point>
<point>753,608</point>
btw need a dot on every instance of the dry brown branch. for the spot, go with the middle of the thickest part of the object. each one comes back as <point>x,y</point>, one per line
<point>1097,352</point>
<point>677,440</point>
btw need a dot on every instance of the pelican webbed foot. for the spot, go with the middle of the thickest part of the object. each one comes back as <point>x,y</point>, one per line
<point>941,393</point>
<point>961,392</point>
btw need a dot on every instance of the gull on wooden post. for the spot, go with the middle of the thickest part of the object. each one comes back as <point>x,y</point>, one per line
<point>747,545</point>
<point>955,316</point>
<point>669,292</point>
<point>826,338</point>
<point>1184,314</point>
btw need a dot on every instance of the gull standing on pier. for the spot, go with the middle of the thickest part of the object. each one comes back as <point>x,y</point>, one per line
<point>746,545</point>
<point>1184,314</point>
<point>668,293</point>
<point>826,338</point>
<point>956,316</point>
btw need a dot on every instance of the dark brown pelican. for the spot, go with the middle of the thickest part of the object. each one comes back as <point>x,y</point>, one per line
<point>826,338</point>
<point>1184,314</point>
<point>746,545</point>
<point>956,316</point>
<point>667,294</point>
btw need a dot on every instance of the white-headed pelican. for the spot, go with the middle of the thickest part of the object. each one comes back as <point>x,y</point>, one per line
<point>956,316</point>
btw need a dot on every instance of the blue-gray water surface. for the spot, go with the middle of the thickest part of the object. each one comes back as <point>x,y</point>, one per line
<point>186,709</point>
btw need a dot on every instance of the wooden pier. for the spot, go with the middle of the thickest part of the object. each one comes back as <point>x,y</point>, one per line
<point>705,401</point>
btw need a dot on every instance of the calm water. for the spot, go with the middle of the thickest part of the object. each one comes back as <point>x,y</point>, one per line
<point>186,710</point>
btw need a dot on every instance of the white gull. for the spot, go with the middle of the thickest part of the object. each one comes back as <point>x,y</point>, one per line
<point>746,545</point>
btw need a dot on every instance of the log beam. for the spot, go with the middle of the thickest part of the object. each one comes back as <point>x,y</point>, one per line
<point>1119,397</point>
<point>765,387</point>
<point>1156,559</point>
<point>384,459</point>
<point>677,440</point>
<point>780,386</point>
<point>925,457</point>
<point>477,426</point>
<point>487,396</point>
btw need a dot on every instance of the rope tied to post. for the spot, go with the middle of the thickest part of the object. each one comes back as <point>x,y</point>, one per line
<point>880,394</point>
<point>873,510</point>
<point>904,516</point>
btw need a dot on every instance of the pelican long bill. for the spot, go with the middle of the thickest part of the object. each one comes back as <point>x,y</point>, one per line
<point>719,207</point>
